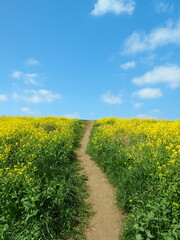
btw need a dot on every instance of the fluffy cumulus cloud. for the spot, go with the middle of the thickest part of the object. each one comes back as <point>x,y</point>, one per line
<point>32,61</point>
<point>164,7</point>
<point>28,78</point>
<point>111,99</point>
<point>37,96</point>
<point>128,65</point>
<point>113,6</point>
<point>162,74</point>
<point>28,111</point>
<point>158,37</point>
<point>148,93</point>
<point>3,98</point>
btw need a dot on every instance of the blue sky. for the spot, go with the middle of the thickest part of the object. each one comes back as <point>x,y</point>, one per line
<point>90,59</point>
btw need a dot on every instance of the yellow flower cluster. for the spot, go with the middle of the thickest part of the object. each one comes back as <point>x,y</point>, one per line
<point>22,141</point>
<point>142,159</point>
<point>145,141</point>
<point>39,180</point>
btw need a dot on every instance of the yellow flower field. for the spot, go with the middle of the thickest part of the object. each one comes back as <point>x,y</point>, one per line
<point>142,159</point>
<point>41,193</point>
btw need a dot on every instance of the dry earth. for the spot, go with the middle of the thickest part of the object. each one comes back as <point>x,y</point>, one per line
<point>106,223</point>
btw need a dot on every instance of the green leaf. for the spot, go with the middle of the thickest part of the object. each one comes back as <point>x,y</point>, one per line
<point>139,237</point>
<point>136,226</point>
<point>149,235</point>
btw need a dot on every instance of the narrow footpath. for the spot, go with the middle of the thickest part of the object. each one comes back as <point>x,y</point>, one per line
<point>106,223</point>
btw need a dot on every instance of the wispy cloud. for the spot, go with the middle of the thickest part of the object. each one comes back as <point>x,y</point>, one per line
<point>113,6</point>
<point>37,96</point>
<point>128,65</point>
<point>154,114</point>
<point>111,99</point>
<point>149,59</point>
<point>145,116</point>
<point>28,111</point>
<point>32,61</point>
<point>31,78</point>
<point>162,74</point>
<point>17,74</point>
<point>156,111</point>
<point>3,98</point>
<point>148,93</point>
<point>72,115</point>
<point>158,37</point>
<point>138,104</point>
<point>28,78</point>
<point>164,7</point>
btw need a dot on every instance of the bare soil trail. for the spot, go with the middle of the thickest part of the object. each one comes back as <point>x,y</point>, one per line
<point>105,224</point>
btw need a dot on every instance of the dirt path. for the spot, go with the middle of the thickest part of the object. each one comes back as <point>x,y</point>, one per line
<point>105,224</point>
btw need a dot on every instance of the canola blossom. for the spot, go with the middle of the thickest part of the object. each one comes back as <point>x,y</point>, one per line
<point>142,159</point>
<point>41,195</point>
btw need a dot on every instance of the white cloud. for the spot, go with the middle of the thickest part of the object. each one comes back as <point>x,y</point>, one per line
<point>28,111</point>
<point>28,78</point>
<point>3,98</point>
<point>153,114</point>
<point>31,78</point>
<point>37,96</point>
<point>111,99</point>
<point>148,93</point>
<point>138,105</point>
<point>158,37</point>
<point>72,115</point>
<point>162,7</point>
<point>169,74</point>
<point>148,60</point>
<point>146,116</point>
<point>17,74</point>
<point>113,6</point>
<point>32,61</point>
<point>155,111</point>
<point>128,65</point>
